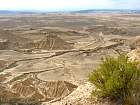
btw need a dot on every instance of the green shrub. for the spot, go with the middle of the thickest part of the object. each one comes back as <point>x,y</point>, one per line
<point>115,78</point>
<point>133,98</point>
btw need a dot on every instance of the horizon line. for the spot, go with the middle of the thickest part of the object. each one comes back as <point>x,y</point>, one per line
<point>37,10</point>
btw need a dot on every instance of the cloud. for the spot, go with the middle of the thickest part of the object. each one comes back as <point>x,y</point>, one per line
<point>54,4</point>
<point>67,4</point>
<point>128,4</point>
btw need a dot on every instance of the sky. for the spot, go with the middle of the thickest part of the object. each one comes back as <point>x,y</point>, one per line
<point>67,5</point>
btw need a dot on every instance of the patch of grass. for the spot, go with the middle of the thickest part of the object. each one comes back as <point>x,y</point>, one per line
<point>133,98</point>
<point>116,79</point>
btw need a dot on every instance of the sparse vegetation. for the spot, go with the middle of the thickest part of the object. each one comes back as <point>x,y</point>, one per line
<point>133,98</point>
<point>117,79</point>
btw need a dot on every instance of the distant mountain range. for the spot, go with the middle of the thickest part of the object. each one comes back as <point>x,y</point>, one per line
<point>6,12</point>
<point>107,11</point>
<point>80,11</point>
<point>16,12</point>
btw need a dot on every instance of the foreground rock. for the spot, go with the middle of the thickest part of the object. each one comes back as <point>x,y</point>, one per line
<point>134,55</point>
<point>80,96</point>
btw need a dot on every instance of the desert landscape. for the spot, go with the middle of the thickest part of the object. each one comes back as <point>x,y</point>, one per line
<point>46,58</point>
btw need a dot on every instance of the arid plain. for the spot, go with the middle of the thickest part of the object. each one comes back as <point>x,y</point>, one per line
<point>48,57</point>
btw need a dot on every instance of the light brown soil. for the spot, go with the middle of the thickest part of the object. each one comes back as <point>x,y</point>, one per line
<point>49,57</point>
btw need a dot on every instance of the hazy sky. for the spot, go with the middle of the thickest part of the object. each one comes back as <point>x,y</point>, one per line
<point>61,5</point>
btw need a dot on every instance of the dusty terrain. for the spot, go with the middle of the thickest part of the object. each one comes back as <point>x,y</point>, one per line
<point>48,57</point>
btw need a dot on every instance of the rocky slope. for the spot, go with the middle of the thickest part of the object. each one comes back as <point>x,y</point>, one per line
<point>29,87</point>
